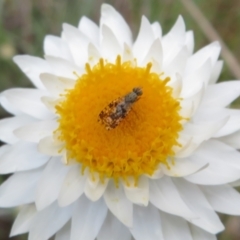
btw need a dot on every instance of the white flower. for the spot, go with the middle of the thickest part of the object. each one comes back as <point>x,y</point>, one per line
<point>88,163</point>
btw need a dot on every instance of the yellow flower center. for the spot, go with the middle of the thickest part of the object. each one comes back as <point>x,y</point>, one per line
<point>144,135</point>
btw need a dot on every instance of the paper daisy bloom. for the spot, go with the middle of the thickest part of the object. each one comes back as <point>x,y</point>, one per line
<point>121,139</point>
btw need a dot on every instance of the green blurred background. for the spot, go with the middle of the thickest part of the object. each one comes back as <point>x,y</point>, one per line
<point>24,23</point>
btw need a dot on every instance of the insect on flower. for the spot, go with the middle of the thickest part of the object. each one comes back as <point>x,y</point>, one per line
<point>119,108</point>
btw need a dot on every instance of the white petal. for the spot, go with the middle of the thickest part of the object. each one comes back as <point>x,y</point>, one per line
<point>194,134</point>
<point>64,157</point>
<point>56,47</point>
<point>223,199</point>
<point>63,68</point>
<point>8,125</point>
<point>174,40</point>
<point>19,189</point>
<point>157,29</point>
<point>199,234</point>
<point>23,221</point>
<point>72,187</point>
<point>221,94</point>
<point>155,53</point>
<point>29,102</point>
<point>111,18</point>
<point>165,196</point>
<point>51,103</point>
<point>158,173</point>
<point>47,222</point>
<point>199,77</point>
<point>183,167</point>
<point>177,30</point>
<point>232,140</point>
<point>191,103</point>
<point>206,218</point>
<point>56,85</point>
<point>64,233</point>
<point>127,53</point>
<point>200,132</point>
<point>211,51</point>
<point>4,149</point>
<point>9,107</point>
<point>32,67</point>
<point>113,229</point>
<point>50,183</point>
<point>87,219</point>
<point>188,148</point>
<point>36,131</point>
<point>138,194</point>
<point>214,113</point>
<point>144,40</point>
<point>90,29</point>
<point>21,156</point>
<point>118,204</point>
<point>176,85</point>
<point>93,179</point>
<point>235,183</point>
<point>177,64</point>
<point>146,223</point>
<point>214,175</point>
<point>174,227</point>
<point>50,146</point>
<point>77,43</point>
<point>217,68</point>
<point>189,42</point>
<point>95,189</point>
<point>223,164</point>
<point>93,54</point>
<point>184,142</point>
<point>110,46</point>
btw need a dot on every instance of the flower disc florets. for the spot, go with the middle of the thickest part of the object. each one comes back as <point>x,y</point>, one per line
<point>140,142</point>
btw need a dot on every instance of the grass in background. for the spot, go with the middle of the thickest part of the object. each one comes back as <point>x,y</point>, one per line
<point>24,23</point>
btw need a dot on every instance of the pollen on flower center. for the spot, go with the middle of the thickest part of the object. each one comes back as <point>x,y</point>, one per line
<point>143,138</point>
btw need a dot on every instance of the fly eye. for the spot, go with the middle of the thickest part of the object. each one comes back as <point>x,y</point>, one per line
<point>138,91</point>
